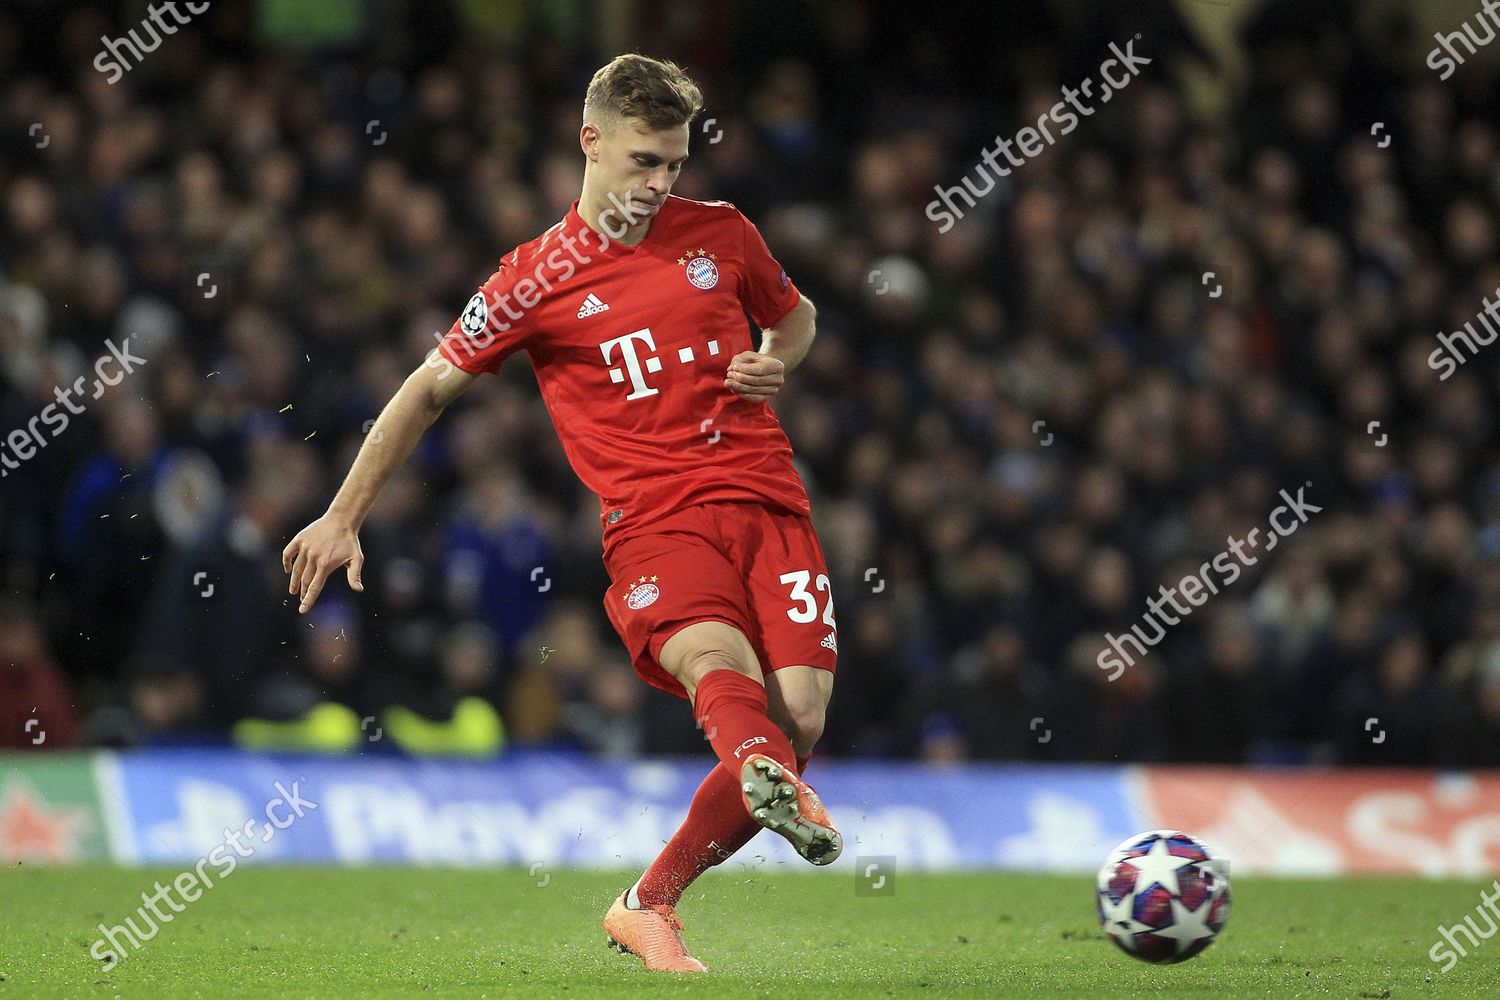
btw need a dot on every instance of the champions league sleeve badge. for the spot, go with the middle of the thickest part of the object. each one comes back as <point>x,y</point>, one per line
<point>476,316</point>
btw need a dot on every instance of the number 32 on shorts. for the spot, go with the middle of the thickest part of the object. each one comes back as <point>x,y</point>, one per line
<point>808,611</point>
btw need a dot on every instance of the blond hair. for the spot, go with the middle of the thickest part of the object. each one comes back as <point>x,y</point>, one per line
<point>633,86</point>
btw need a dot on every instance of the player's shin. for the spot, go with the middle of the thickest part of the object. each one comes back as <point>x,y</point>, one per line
<point>715,828</point>
<point>731,709</point>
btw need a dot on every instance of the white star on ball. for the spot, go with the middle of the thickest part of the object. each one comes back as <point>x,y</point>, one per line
<point>1158,865</point>
<point>1188,926</point>
<point>1119,920</point>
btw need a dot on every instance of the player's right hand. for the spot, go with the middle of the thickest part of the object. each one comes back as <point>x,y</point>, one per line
<point>318,550</point>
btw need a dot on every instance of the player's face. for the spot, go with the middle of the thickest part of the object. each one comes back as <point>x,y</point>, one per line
<point>638,164</point>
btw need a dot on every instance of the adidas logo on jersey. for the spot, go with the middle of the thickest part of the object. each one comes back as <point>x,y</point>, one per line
<point>831,640</point>
<point>591,306</point>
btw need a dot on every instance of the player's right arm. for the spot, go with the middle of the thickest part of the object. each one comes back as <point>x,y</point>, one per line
<point>332,541</point>
<point>479,341</point>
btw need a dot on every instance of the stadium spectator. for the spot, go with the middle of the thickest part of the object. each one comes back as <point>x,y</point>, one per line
<point>987,709</point>
<point>40,708</point>
<point>1398,702</point>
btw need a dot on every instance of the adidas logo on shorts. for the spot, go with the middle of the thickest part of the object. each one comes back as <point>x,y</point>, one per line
<point>591,305</point>
<point>831,640</point>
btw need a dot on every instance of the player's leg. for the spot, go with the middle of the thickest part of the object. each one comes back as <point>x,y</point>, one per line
<point>678,588</point>
<point>788,587</point>
<point>643,921</point>
<point>717,825</point>
<point>798,697</point>
<point>717,666</point>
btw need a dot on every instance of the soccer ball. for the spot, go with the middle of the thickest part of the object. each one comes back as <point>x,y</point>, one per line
<point>1162,897</point>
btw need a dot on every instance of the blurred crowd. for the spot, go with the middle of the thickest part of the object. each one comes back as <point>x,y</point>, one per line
<point>1012,434</point>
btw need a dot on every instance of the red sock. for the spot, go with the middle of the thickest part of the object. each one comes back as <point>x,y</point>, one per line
<point>731,708</point>
<point>715,828</point>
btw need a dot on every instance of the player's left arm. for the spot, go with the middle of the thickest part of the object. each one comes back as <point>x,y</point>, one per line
<point>758,375</point>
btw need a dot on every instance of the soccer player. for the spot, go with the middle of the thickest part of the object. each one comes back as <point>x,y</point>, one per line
<point>634,311</point>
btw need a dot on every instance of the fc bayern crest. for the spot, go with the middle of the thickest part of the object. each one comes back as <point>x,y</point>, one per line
<point>703,272</point>
<point>642,595</point>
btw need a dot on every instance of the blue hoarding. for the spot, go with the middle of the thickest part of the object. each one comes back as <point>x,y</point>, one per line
<point>529,808</point>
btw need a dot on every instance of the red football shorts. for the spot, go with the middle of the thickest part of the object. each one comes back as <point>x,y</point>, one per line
<point>751,566</point>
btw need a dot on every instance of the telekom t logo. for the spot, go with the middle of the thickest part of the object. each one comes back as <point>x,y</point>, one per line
<point>638,385</point>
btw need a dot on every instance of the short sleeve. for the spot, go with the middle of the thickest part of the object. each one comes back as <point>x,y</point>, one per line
<point>490,329</point>
<point>767,293</point>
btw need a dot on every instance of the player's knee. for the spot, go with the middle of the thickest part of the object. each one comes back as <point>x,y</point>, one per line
<point>705,661</point>
<point>700,649</point>
<point>695,664</point>
<point>804,725</point>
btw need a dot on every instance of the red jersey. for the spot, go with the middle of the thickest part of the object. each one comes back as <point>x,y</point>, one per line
<point>631,346</point>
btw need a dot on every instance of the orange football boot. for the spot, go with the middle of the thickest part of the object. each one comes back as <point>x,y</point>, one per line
<point>653,934</point>
<point>785,804</point>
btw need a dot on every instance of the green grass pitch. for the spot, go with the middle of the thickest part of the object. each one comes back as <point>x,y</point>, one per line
<point>304,932</point>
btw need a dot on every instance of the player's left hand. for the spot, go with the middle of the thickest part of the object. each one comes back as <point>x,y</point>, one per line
<point>755,377</point>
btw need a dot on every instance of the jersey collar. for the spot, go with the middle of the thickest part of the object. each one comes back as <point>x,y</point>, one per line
<point>611,247</point>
